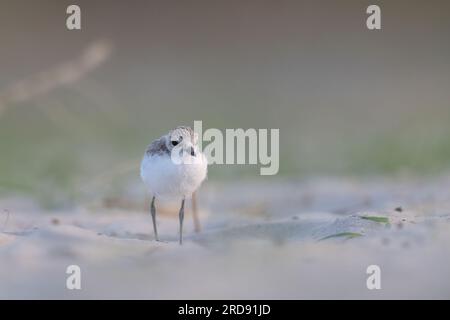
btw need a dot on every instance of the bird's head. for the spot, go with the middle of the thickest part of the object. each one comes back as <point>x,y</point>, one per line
<point>183,139</point>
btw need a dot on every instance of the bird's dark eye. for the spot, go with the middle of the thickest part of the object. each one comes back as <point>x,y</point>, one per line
<point>174,143</point>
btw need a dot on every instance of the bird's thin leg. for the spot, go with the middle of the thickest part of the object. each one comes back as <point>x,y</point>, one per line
<point>195,216</point>
<point>153,212</point>
<point>181,214</point>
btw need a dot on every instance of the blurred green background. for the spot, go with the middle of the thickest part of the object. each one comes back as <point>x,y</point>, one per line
<point>348,101</point>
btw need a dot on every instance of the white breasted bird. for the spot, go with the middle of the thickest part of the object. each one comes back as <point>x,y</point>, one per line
<point>173,168</point>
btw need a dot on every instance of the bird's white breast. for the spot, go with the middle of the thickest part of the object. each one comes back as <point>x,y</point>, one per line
<point>165,179</point>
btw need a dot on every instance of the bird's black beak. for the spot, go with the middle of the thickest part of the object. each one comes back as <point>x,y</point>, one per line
<point>193,152</point>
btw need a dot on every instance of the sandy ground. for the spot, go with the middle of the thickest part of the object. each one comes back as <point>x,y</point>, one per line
<point>283,240</point>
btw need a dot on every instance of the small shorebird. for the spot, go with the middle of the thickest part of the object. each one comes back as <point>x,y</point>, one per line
<point>173,168</point>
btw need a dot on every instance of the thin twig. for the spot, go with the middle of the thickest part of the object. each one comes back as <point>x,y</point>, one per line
<point>6,220</point>
<point>61,75</point>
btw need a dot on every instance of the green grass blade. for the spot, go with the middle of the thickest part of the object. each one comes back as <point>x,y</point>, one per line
<point>347,235</point>
<point>376,219</point>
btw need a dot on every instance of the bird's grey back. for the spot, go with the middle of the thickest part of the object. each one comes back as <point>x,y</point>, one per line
<point>157,147</point>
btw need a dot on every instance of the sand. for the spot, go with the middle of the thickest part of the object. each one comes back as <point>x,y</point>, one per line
<point>278,240</point>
